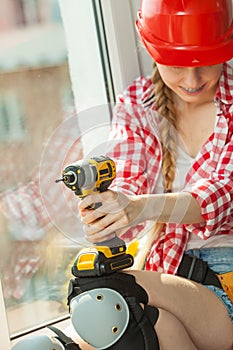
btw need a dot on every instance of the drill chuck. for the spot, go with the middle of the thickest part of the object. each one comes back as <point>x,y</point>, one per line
<point>89,176</point>
<point>70,178</point>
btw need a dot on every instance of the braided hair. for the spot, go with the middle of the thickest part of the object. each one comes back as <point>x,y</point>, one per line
<point>166,109</point>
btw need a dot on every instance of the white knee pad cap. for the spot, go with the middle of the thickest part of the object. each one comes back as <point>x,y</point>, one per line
<point>39,342</point>
<point>100,316</point>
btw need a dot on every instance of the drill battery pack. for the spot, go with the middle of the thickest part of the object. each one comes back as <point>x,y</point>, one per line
<point>101,260</point>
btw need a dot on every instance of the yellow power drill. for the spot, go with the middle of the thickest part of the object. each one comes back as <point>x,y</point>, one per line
<point>86,177</point>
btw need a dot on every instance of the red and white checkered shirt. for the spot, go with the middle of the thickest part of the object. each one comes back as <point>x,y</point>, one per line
<point>136,149</point>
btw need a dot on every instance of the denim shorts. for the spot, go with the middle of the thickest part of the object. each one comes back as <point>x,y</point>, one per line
<point>220,260</point>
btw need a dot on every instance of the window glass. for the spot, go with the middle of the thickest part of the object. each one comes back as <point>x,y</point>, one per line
<point>39,134</point>
<point>35,96</point>
<point>12,123</point>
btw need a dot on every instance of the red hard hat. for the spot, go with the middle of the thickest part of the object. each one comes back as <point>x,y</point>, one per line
<point>187,33</point>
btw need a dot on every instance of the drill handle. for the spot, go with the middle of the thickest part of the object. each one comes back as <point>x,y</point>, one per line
<point>111,243</point>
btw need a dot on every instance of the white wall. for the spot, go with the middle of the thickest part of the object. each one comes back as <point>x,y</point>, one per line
<point>86,73</point>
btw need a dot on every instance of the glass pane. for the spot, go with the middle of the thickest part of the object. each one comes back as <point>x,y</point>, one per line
<point>36,110</point>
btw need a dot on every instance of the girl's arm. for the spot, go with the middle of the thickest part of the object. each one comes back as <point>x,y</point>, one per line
<point>120,211</point>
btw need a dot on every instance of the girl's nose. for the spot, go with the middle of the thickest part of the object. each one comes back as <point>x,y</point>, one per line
<point>192,77</point>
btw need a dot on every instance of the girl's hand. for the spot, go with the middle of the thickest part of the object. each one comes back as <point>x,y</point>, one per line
<point>116,213</point>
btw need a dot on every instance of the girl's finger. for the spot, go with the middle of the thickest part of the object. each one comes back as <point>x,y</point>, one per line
<point>101,197</point>
<point>104,227</point>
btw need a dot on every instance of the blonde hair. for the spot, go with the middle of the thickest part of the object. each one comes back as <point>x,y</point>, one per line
<point>166,109</point>
<point>167,113</point>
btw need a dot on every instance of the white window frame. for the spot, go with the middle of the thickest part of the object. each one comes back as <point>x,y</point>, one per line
<point>86,71</point>
<point>82,43</point>
<point>119,20</point>
<point>128,57</point>
<point>4,334</point>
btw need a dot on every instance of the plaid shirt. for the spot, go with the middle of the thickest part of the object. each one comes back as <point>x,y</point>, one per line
<point>136,149</point>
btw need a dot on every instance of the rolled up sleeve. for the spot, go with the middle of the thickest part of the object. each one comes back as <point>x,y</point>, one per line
<point>215,196</point>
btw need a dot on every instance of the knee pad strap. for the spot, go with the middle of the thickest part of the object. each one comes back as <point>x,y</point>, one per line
<point>67,342</point>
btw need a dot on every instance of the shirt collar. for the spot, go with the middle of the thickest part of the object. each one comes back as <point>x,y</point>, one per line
<point>148,97</point>
<point>225,86</point>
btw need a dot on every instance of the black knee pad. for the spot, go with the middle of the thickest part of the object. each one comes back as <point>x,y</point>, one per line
<point>139,333</point>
